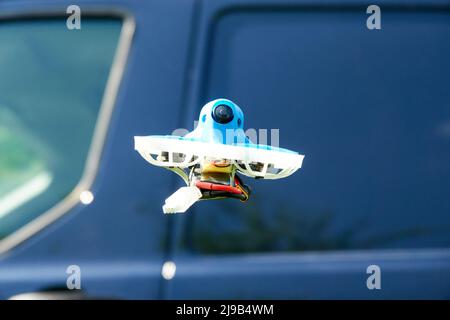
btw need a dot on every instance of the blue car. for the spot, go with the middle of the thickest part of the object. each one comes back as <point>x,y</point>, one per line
<point>366,217</point>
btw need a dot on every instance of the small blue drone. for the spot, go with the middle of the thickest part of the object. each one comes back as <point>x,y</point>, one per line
<point>209,158</point>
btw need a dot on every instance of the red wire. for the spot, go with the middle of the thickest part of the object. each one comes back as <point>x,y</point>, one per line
<point>217,187</point>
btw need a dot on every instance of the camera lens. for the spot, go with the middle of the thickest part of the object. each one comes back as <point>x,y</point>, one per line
<point>222,114</point>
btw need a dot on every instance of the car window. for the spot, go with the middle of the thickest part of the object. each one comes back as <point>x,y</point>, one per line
<point>369,110</point>
<point>51,85</point>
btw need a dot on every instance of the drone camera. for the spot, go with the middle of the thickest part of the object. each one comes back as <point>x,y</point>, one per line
<point>223,114</point>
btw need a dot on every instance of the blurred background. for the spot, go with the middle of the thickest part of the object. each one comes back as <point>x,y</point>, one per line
<point>369,109</point>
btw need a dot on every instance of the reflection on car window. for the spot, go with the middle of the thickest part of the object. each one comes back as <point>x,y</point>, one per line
<point>376,138</point>
<point>51,86</point>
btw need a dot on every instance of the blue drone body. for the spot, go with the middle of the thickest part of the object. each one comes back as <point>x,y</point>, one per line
<point>220,121</point>
<point>210,157</point>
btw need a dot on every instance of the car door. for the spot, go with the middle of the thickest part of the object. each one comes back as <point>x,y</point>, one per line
<point>79,208</point>
<point>366,217</point>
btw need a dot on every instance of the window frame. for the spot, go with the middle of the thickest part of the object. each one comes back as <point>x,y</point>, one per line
<point>213,13</point>
<point>102,123</point>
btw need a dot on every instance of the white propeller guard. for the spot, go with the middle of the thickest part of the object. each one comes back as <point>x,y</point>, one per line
<point>194,151</point>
